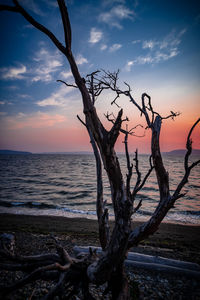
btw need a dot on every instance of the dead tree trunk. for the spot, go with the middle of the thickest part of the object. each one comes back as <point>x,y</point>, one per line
<point>109,266</point>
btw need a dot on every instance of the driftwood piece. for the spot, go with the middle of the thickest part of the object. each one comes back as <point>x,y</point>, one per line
<point>154,263</point>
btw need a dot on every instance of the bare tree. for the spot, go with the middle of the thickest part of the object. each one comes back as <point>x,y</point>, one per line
<point>78,273</point>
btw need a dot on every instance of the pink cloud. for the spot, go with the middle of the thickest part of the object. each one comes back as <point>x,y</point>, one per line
<point>37,120</point>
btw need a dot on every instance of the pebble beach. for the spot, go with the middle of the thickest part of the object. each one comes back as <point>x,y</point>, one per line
<point>175,241</point>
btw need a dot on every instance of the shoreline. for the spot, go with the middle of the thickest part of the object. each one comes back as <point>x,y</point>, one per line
<point>15,210</point>
<point>176,241</point>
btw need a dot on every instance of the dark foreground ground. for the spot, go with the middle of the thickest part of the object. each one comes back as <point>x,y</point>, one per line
<point>32,235</point>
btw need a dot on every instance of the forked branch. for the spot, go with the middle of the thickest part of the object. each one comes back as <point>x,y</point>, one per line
<point>66,24</point>
<point>177,194</point>
<point>139,185</point>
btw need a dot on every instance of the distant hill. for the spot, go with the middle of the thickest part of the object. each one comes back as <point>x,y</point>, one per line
<point>8,152</point>
<point>182,152</point>
<point>68,153</point>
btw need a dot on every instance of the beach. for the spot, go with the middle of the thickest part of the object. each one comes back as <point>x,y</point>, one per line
<point>171,240</point>
<point>175,241</point>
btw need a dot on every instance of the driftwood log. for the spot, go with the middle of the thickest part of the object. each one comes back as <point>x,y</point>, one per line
<point>153,263</point>
<point>108,267</point>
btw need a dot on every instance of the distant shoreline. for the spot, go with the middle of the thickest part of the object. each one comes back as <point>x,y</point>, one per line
<point>13,152</point>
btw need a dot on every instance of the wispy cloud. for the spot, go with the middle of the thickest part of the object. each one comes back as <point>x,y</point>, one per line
<point>149,44</point>
<point>116,15</point>
<point>103,47</point>
<point>80,59</point>
<point>35,120</point>
<point>47,66</point>
<point>48,63</point>
<point>136,42</point>
<point>65,74</point>
<point>158,50</point>
<point>95,36</point>
<point>129,64</point>
<point>172,40</point>
<point>58,98</point>
<point>13,72</point>
<point>115,47</point>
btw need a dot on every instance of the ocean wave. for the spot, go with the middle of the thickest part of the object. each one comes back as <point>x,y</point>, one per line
<point>29,204</point>
<point>41,205</point>
<point>149,188</point>
<point>184,213</point>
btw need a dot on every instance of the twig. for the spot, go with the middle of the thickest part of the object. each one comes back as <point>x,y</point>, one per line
<point>67,84</point>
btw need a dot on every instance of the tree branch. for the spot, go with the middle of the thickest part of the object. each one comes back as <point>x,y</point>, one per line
<point>8,8</point>
<point>114,132</point>
<point>149,227</point>
<point>66,24</point>
<point>102,212</point>
<point>188,168</point>
<point>67,84</point>
<point>18,8</point>
<point>139,186</point>
<point>137,172</point>
<point>129,166</point>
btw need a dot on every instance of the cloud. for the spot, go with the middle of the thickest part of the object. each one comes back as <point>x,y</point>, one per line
<point>65,74</point>
<point>45,65</point>
<point>48,63</point>
<point>128,66</point>
<point>149,44</point>
<point>115,15</point>
<point>136,42</point>
<point>58,98</point>
<point>35,120</point>
<point>171,41</point>
<point>115,47</point>
<point>80,60</point>
<point>158,50</point>
<point>5,102</point>
<point>13,72</point>
<point>103,47</point>
<point>95,36</point>
<point>23,96</point>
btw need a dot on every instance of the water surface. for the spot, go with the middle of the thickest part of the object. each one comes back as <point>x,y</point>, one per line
<point>63,184</point>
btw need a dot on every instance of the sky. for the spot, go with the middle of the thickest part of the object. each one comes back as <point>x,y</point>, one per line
<point>155,45</point>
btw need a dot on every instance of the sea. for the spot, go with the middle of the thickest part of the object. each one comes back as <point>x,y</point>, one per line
<point>65,185</point>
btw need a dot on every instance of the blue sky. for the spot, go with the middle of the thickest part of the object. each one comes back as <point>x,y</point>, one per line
<point>155,44</point>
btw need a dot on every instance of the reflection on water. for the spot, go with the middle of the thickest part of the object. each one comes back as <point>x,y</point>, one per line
<point>67,184</point>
